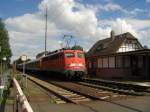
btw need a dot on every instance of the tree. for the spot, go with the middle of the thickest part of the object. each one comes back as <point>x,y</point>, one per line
<point>77,47</point>
<point>5,50</point>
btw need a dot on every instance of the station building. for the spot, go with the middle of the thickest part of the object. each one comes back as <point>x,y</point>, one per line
<point>120,56</point>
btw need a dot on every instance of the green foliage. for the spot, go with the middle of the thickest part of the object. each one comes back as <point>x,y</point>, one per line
<point>77,47</point>
<point>4,42</point>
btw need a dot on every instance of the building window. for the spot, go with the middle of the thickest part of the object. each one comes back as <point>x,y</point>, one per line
<point>127,61</point>
<point>111,62</point>
<point>119,61</point>
<point>90,65</point>
<point>140,61</point>
<point>100,63</point>
<point>105,62</point>
<point>129,45</point>
<point>94,64</point>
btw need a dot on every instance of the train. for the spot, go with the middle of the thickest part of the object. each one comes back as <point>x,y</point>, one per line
<point>67,62</point>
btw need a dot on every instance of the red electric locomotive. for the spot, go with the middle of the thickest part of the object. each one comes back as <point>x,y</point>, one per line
<point>70,63</point>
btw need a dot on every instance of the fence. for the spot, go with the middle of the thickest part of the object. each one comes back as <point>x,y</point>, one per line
<point>25,106</point>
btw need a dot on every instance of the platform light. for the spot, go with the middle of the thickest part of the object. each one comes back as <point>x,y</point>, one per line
<point>4,58</point>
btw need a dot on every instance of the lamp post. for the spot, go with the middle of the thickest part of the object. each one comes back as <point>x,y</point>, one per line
<point>24,59</point>
<point>4,68</point>
<point>1,86</point>
<point>1,60</point>
<point>4,65</point>
<point>2,78</point>
<point>1,67</point>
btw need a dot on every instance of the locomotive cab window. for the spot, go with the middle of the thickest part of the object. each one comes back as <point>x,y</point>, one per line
<point>80,55</point>
<point>69,55</point>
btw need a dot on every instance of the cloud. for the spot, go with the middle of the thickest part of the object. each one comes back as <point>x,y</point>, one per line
<point>65,17</point>
<point>134,12</point>
<point>147,1</point>
<point>27,31</point>
<point>139,28</point>
<point>149,14</point>
<point>139,24</point>
<point>111,7</point>
<point>121,26</point>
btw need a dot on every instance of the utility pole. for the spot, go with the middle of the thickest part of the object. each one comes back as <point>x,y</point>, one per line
<point>46,30</point>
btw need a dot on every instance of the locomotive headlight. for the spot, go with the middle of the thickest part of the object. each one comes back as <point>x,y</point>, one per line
<point>80,64</point>
<point>72,64</point>
<point>76,64</point>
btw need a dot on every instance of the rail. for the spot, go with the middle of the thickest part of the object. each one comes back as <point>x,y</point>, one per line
<point>25,106</point>
<point>119,85</point>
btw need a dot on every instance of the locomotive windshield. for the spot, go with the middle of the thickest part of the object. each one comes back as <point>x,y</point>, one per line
<point>69,55</point>
<point>80,55</point>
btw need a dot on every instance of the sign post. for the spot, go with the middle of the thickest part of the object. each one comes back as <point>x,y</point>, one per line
<point>24,59</point>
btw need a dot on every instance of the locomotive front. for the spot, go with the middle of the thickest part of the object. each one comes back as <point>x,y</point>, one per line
<point>74,63</point>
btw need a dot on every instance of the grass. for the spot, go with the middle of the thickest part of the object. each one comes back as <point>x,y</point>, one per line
<point>4,100</point>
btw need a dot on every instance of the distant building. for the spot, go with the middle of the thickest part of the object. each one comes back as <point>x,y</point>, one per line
<point>120,56</point>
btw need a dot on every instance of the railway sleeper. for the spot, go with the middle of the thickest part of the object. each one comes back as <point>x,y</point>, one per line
<point>60,92</point>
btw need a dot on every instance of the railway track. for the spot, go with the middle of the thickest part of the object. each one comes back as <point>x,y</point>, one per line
<point>119,87</point>
<point>90,92</point>
<point>81,92</point>
<point>63,94</point>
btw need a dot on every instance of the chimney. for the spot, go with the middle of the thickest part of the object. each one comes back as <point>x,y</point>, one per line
<point>112,35</point>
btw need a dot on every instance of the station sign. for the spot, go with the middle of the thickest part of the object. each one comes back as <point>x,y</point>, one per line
<point>23,58</point>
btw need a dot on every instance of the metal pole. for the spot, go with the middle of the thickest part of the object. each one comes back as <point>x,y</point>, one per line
<point>1,60</point>
<point>2,82</point>
<point>1,67</point>
<point>23,68</point>
<point>46,31</point>
<point>24,74</point>
<point>4,68</point>
<point>23,81</point>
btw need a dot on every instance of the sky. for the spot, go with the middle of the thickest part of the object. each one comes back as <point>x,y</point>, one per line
<point>86,20</point>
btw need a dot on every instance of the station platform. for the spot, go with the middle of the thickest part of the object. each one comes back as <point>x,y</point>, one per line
<point>144,83</point>
<point>42,101</point>
<point>140,104</point>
